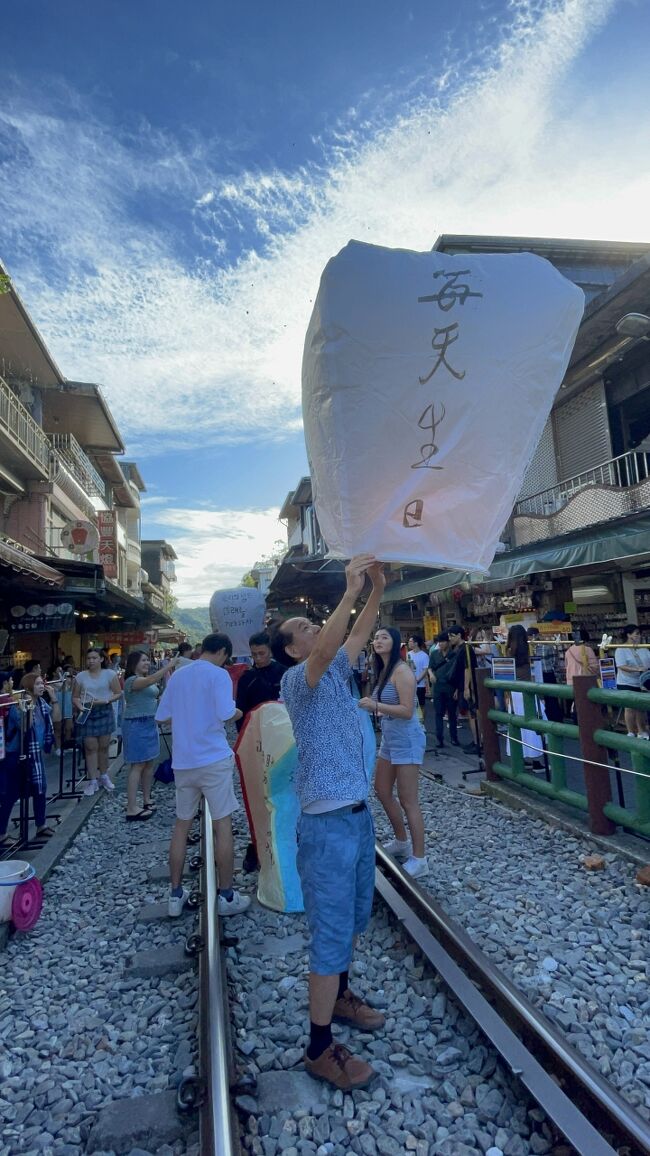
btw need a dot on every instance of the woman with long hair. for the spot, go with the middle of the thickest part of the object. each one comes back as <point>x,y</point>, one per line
<point>39,737</point>
<point>94,692</point>
<point>140,731</point>
<point>401,751</point>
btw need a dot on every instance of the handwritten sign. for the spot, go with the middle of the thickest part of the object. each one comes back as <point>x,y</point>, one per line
<point>238,613</point>
<point>427,381</point>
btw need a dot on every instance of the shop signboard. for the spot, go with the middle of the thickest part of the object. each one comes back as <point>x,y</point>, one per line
<point>42,617</point>
<point>504,669</point>
<point>124,638</point>
<point>107,526</point>
<point>607,673</point>
<point>80,537</point>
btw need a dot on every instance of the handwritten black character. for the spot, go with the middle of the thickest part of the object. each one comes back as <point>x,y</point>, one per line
<point>429,421</point>
<point>451,293</point>
<point>441,345</point>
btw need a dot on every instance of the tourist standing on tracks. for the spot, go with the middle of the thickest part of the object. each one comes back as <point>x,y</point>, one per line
<point>630,665</point>
<point>198,701</point>
<point>401,751</point>
<point>336,839</point>
<point>140,734</point>
<point>258,685</point>
<point>95,690</point>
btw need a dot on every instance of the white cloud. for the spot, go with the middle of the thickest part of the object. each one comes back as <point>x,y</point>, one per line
<point>218,347</point>
<point>215,547</point>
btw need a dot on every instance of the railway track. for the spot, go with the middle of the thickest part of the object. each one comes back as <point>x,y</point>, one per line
<point>579,1104</point>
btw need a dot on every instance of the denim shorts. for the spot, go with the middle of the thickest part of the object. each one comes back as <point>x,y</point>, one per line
<point>336,865</point>
<point>402,745</point>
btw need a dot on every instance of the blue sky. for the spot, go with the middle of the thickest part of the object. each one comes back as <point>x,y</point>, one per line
<point>173,178</point>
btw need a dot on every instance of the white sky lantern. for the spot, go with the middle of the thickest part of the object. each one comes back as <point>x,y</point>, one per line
<point>427,381</point>
<point>238,612</point>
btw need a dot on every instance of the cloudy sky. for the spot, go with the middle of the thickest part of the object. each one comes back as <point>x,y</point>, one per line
<point>173,178</point>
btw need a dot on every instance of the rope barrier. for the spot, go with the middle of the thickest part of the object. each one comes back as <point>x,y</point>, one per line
<point>575,759</point>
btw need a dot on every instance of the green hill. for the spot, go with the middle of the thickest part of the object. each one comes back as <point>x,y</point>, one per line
<point>194,621</point>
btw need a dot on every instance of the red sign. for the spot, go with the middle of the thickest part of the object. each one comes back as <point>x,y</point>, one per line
<point>107,526</point>
<point>124,638</point>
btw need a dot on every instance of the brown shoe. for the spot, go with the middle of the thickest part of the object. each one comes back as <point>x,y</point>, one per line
<point>338,1067</point>
<point>350,1009</point>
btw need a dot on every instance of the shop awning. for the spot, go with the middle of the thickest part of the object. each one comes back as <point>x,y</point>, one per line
<point>595,547</point>
<point>20,562</point>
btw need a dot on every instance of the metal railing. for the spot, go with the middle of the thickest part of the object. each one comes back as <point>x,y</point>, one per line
<point>20,426</point>
<point>595,743</point>
<point>627,470</point>
<point>78,463</point>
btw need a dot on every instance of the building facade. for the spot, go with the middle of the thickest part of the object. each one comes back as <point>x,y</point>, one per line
<point>69,509</point>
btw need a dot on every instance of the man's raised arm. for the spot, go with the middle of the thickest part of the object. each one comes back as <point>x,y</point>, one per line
<point>331,636</point>
<point>364,624</point>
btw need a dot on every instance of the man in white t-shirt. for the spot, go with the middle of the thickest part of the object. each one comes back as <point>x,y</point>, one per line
<point>198,701</point>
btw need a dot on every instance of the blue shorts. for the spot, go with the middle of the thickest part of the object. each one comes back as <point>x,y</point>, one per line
<point>402,745</point>
<point>336,865</point>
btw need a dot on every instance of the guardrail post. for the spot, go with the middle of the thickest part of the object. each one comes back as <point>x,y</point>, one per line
<point>488,731</point>
<point>597,782</point>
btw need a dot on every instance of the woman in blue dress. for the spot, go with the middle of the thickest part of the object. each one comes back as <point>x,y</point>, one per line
<point>401,751</point>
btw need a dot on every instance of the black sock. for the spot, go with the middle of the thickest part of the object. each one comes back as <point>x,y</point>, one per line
<point>320,1038</point>
<point>344,983</point>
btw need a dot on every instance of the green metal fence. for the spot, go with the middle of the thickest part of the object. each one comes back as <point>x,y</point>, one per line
<point>590,732</point>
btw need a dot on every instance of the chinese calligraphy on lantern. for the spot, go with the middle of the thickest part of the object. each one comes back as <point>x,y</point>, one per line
<point>454,291</point>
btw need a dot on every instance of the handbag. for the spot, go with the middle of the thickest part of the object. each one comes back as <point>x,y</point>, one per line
<point>164,772</point>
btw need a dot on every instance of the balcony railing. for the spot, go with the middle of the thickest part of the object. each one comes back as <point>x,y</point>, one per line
<point>78,463</point>
<point>627,470</point>
<point>23,431</point>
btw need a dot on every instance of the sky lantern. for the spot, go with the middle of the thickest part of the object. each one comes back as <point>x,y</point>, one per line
<point>427,380</point>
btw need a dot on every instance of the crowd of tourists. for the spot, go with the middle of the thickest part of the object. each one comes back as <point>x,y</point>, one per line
<point>328,676</point>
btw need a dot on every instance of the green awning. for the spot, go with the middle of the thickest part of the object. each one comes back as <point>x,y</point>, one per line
<point>610,542</point>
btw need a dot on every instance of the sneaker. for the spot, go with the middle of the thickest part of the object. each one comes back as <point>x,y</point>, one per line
<point>398,847</point>
<point>176,903</point>
<point>232,906</point>
<point>350,1009</point>
<point>57,752</point>
<point>338,1067</point>
<point>644,735</point>
<point>91,787</point>
<point>106,782</point>
<point>416,867</point>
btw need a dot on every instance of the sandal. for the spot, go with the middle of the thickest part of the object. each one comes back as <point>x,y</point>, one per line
<point>45,833</point>
<point>141,816</point>
<point>149,806</point>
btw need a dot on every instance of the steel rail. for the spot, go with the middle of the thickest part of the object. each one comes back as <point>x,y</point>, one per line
<point>218,1128</point>
<point>529,1044</point>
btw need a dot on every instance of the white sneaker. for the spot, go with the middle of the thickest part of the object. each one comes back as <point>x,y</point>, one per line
<point>91,787</point>
<point>644,735</point>
<point>107,783</point>
<point>176,903</point>
<point>399,848</point>
<point>58,752</point>
<point>232,906</point>
<point>416,867</point>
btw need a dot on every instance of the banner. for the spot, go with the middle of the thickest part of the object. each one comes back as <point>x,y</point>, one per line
<point>427,381</point>
<point>107,526</point>
<point>238,613</point>
<point>266,757</point>
<point>47,617</point>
